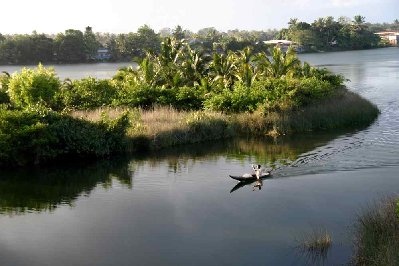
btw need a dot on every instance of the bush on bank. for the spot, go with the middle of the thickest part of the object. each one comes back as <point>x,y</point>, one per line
<point>33,86</point>
<point>86,93</point>
<point>37,135</point>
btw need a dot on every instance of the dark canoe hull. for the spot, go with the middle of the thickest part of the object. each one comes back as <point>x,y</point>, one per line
<point>249,178</point>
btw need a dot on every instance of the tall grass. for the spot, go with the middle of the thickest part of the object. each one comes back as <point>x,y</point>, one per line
<point>377,234</point>
<point>162,127</point>
<point>342,110</point>
<point>167,127</point>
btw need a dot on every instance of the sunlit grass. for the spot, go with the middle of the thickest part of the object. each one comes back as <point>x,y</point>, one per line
<point>162,127</point>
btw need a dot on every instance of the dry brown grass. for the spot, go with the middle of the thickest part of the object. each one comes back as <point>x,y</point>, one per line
<point>95,115</point>
<point>164,126</point>
<point>162,119</point>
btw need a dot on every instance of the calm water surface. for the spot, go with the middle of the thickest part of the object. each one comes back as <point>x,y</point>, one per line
<point>77,71</point>
<point>176,207</point>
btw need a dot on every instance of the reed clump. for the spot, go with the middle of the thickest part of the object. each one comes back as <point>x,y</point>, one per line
<point>377,234</point>
<point>318,241</point>
<point>314,246</point>
<point>343,109</point>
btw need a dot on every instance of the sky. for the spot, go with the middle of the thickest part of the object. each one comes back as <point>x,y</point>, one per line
<point>122,16</point>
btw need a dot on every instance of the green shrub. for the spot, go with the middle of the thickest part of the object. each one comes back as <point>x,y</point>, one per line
<point>4,80</point>
<point>324,74</point>
<point>290,93</point>
<point>136,95</point>
<point>23,137</point>
<point>32,86</point>
<point>240,99</point>
<point>188,98</point>
<point>87,93</point>
<point>271,94</point>
<point>306,90</point>
<point>37,134</point>
<point>83,138</point>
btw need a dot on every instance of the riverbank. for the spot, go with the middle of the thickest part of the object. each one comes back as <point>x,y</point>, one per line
<point>164,127</point>
<point>37,136</point>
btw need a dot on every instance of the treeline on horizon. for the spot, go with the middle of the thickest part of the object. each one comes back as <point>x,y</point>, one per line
<point>75,46</point>
<point>328,34</point>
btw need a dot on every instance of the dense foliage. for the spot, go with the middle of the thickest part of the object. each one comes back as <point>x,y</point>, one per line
<point>184,78</point>
<point>86,93</point>
<point>36,135</point>
<point>74,46</point>
<point>35,127</point>
<point>230,82</point>
<point>31,87</point>
<point>329,34</point>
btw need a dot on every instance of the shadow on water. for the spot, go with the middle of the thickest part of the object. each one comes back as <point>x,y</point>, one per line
<point>44,188</point>
<point>257,185</point>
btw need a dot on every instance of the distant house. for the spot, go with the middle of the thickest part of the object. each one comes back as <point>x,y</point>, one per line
<point>284,44</point>
<point>103,54</point>
<point>391,36</point>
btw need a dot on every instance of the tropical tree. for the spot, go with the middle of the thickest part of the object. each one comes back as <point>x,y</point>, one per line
<point>178,33</point>
<point>147,40</point>
<point>42,48</point>
<point>222,70</point>
<point>282,64</point>
<point>194,66</point>
<point>70,46</point>
<point>245,72</point>
<point>91,43</point>
<point>359,22</point>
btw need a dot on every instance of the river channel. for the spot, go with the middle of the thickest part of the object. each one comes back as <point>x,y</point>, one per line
<point>179,206</point>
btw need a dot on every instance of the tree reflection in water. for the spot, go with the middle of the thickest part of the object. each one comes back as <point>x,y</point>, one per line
<point>44,188</point>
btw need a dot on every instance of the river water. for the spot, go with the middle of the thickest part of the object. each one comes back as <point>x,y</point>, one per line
<point>179,207</point>
<point>77,71</point>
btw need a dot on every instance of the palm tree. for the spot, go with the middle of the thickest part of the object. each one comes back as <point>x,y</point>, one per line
<point>359,23</point>
<point>194,66</point>
<point>282,64</point>
<point>167,62</point>
<point>245,72</point>
<point>222,70</point>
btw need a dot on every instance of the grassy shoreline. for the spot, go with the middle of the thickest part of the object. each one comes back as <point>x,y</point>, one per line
<point>343,110</point>
<point>39,136</point>
<point>164,127</point>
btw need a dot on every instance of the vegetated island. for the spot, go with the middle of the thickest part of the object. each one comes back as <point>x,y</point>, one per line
<point>175,97</point>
